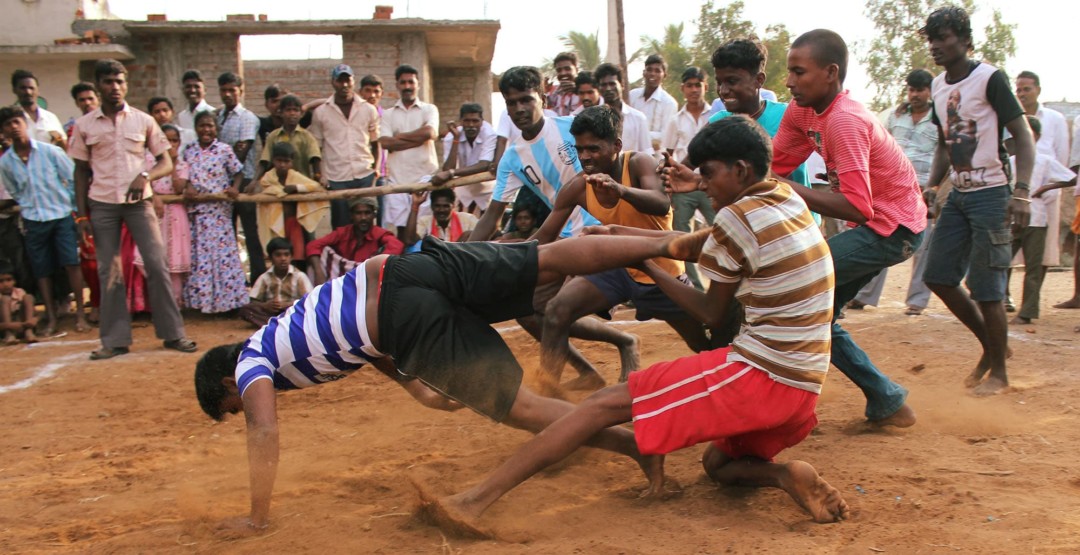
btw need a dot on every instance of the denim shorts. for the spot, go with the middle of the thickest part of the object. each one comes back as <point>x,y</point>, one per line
<point>972,238</point>
<point>649,300</point>
<point>51,245</point>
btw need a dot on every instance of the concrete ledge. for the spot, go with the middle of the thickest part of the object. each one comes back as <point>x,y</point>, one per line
<point>67,52</point>
<point>313,27</point>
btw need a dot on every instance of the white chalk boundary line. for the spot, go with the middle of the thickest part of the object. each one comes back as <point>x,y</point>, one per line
<point>52,368</point>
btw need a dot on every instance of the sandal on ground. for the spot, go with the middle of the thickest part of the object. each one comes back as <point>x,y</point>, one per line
<point>108,352</point>
<point>913,311</point>
<point>184,345</point>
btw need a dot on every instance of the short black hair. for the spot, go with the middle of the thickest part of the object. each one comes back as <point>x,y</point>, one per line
<point>290,100</point>
<point>278,243</point>
<point>206,114</point>
<point>6,267</point>
<point>471,108</point>
<point>736,137</point>
<point>950,17</point>
<point>107,67</point>
<point>565,57</point>
<point>827,48</point>
<point>522,78</point>
<point>230,78</point>
<point>693,72</point>
<point>170,127</point>
<point>81,87</point>
<point>283,150</point>
<point>370,80</point>
<point>584,78</point>
<point>448,194</point>
<point>656,59</point>
<point>606,69</point>
<point>157,100</point>
<point>1029,75</point>
<point>273,91</point>
<point>405,69</point>
<point>602,121</point>
<point>1034,124</point>
<point>746,54</point>
<point>192,75</point>
<point>10,112</point>
<point>920,79</point>
<point>19,75</point>
<point>214,366</point>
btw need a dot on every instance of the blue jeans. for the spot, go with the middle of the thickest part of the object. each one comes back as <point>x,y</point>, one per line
<point>339,209</point>
<point>972,239</point>
<point>859,255</point>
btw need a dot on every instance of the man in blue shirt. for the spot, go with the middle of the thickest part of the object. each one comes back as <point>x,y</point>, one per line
<point>40,177</point>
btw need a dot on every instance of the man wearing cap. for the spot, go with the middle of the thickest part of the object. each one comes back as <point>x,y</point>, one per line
<point>347,129</point>
<point>341,250</point>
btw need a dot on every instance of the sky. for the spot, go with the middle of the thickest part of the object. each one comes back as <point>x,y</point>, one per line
<point>528,36</point>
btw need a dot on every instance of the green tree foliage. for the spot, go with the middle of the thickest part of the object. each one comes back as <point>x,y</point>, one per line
<point>675,53</point>
<point>586,46</point>
<point>777,41</point>
<point>897,48</point>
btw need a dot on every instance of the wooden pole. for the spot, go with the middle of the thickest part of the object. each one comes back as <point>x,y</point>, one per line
<point>334,195</point>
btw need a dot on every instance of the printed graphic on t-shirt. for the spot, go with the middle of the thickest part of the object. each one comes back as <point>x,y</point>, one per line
<point>962,140</point>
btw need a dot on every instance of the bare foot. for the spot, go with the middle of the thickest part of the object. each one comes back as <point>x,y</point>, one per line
<point>29,336</point>
<point>976,376</point>
<point>992,386</point>
<point>81,325</point>
<point>9,339</point>
<point>1020,321</point>
<point>688,245</point>
<point>95,315</point>
<point>449,514</point>
<point>903,418</point>
<point>812,493</point>
<point>48,331</point>
<point>589,381</point>
<point>660,486</point>
<point>1071,303</point>
<point>629,358</point>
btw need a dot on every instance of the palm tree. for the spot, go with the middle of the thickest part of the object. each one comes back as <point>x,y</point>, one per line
<point>587,48</point>
<point>675,53</point>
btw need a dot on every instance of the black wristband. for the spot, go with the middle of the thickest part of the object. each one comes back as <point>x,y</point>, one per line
<point>1021,186</point>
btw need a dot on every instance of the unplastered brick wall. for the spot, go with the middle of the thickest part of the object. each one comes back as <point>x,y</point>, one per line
<point>453,87</point>
<point>162,58</point>
<point>308,79</point>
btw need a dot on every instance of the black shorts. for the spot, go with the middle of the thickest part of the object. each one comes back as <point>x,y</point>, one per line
<point>435,312</point>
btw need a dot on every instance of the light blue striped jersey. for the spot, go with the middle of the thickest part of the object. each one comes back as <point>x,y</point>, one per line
<point>321,338</point>
<point>544,164</point>
<point>44,186</point>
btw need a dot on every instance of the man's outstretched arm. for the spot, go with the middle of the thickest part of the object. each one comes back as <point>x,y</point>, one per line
<point>260,411</point>
<point>709,308</point>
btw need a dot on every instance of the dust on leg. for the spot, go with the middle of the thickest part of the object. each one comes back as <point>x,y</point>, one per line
<point>798,478</point>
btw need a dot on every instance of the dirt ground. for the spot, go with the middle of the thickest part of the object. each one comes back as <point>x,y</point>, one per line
<point>116,457</point>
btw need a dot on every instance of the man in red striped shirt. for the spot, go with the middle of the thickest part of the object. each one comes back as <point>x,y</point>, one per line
<point>878,190</point>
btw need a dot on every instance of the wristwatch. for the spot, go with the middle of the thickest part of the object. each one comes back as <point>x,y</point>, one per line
<point>145,175</point>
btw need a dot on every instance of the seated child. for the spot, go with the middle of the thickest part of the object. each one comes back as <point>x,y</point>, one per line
<point>289,219</point>
<point>278,288</point>
<point>749,401</point>
<point>16,308</point>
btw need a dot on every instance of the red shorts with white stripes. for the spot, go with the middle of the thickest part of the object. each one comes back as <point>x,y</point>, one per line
<point>706,397</point>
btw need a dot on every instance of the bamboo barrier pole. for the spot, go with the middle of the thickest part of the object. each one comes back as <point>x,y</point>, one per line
<point>334,195</point>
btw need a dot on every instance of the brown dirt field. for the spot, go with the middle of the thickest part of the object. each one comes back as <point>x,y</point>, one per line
<point>116,457</point>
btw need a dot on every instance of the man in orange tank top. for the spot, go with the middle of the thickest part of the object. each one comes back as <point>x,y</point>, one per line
<point>621,189</point>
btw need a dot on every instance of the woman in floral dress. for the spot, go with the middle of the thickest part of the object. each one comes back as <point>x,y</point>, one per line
<point>216,283</point>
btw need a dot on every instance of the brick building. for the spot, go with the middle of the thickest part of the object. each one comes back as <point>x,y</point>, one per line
<point>454,57</point>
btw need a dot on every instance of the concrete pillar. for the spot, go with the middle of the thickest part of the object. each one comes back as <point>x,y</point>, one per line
<point>482,91</point>
<point>171,67</point>
<point>412,50</point>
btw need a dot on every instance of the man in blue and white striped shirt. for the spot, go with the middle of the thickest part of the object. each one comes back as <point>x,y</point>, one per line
<point>40,177</point>
<point>424,320</point>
